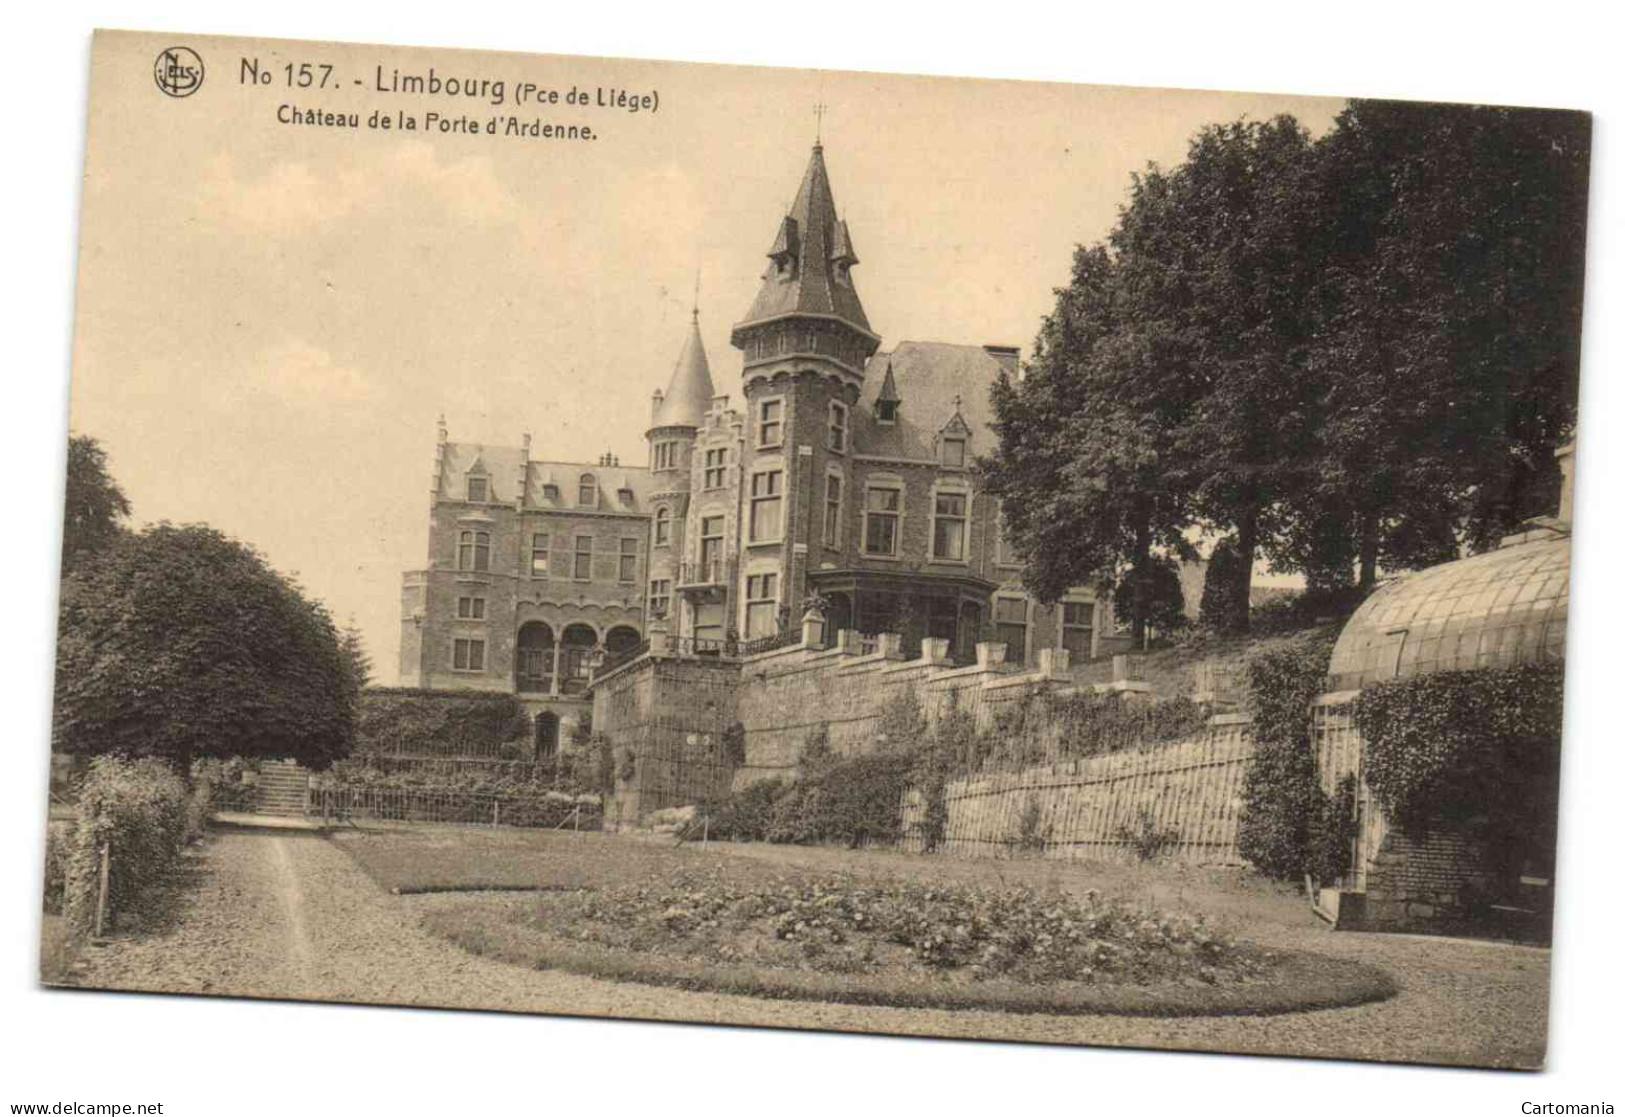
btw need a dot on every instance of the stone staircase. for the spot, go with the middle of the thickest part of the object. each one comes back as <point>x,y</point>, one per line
<point>281,790</point>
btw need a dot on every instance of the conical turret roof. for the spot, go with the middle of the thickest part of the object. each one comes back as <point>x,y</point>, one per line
<point>688,396</point>
<point>811,254</point>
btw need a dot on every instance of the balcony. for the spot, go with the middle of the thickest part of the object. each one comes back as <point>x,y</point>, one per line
<point>707,575</point>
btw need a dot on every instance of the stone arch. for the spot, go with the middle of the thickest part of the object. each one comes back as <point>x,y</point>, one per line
<point>547,735</point>
<point>621,638</point>
<point>534,661</point>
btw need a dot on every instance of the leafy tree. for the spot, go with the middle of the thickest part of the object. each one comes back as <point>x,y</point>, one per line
<point>1081,464</point>
<point>179,643</point>
<point>1450,341</point>
<point>1156,597</point>
<point>95,507</point>
<point>1239,232</point>
<point>358,664</point>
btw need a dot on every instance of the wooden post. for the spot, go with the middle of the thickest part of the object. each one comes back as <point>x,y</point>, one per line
<point>577,816</point>
<point>496,812</point>
<point>705,831</point>
<point>104,875</point>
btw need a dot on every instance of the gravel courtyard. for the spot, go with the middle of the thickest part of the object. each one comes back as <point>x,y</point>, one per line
<point>295,917</point>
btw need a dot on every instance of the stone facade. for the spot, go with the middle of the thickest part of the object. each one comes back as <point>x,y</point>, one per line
<point>844,471</point>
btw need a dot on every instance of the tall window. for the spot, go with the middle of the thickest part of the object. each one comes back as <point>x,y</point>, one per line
<point>540,546</point>
<point>716,462</point>
<point>1077,627</point>
<point>468,655</point>
<point>766,505</point>
<point>583,558</point>
<point>710,542</point>
<point>478,490</point>
<point>587,494</point>
<point>659,597</point>
<point>1010,620</point>
<point>953,452</point>
<point>761,605</point>
<point>832,510</point>
<point>886,412</point>
<point>629,560</point>
<point>837,427</point>
<point>665,455</point>
<point>662,526</point>
<point>471,608</point>
<point>882,510</point>
<point>1006,554</point>
<point>948,527</point>
<point>770,422</point>
<point>474,551</point>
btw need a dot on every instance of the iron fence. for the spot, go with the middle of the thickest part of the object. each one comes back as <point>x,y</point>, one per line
<point>452,806</point>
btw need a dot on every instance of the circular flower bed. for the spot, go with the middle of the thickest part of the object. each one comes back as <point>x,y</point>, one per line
<point>885,941</point>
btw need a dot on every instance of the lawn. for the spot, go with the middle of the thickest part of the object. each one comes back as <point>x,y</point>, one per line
<point>864,927</point>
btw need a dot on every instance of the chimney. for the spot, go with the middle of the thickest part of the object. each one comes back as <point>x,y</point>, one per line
<point>1565,461</point>
<point>654,405</point>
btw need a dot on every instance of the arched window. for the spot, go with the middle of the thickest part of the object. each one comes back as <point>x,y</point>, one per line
<point>587,496</point>
<point>662,526</point>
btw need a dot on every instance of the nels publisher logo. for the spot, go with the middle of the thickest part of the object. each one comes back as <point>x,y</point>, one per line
<point>178,71</point>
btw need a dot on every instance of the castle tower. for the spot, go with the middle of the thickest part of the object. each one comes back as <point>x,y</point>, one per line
<point>675,417</point>
<point>805,341</point>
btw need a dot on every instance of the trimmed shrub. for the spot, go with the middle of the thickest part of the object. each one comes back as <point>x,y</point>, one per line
<point>138,809</point>
<point>747,814</point>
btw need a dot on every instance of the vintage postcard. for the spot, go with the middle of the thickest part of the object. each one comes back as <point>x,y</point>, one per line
<point>964,558</point>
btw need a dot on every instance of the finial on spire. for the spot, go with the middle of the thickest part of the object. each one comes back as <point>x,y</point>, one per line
<point>696,314</point>
<point>819,110</point>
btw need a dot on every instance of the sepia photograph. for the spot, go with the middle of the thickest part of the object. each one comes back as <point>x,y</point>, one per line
<point>809,549</point>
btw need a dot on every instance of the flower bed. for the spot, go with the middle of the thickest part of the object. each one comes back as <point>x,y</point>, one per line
<point>844,938</point>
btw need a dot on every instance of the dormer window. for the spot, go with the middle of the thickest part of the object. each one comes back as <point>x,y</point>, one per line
<point>626,497</point>
<point>886,412</point>
<point>478,490</point>
<point>550,491</point>
<point>587,494</point>
<point>953,452</point>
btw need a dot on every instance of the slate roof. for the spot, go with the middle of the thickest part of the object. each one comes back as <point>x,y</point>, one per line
<point>688,396</point>
<point>926,377</point>
<point>503,464</point>
<point>815,236</point>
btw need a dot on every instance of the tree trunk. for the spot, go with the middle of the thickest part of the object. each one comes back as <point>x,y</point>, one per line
<point>1246,550</point>
<point>1368,551</point>
<point>1140,579</point>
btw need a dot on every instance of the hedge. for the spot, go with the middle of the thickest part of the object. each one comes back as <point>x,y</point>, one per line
<point>137,808</point>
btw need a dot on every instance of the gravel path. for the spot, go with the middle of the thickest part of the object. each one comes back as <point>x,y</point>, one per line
<point>294,917</point>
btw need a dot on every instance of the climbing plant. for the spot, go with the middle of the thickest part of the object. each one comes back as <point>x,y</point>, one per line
<point>1283,831</point>
<point>1475,751</point>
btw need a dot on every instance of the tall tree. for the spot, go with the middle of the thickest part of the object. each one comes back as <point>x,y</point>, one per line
<point>1085,494</point>
<point>1240,232</point>
<point>179,642</point>
<point>1449,346</point>
<point>95,507</point>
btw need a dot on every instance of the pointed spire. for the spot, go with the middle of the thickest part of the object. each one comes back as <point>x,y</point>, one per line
<point>811,254</point>
<point>688,396</point>
<point>888,387</point>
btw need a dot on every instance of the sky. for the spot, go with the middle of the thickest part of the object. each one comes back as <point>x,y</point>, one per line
<point>271,317</point>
